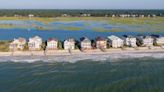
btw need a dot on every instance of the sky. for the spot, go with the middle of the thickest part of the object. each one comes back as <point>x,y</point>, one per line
<point>81,4</point>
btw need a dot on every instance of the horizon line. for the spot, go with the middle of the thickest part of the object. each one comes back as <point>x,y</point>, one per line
<point>72,9</point>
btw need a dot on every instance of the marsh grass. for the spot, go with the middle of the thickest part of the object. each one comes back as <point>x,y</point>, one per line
<point>155,24</point>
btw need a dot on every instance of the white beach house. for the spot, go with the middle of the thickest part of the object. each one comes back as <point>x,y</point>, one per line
<point>101,43</point>
<point>115,41</point>
<point>17,44</point>
<point>85,43</point>
<point>35,43</point>
<point>146,40</point>
<point>130,41</point>
<point>52,44</point>
<point>159,41</point>
<point>69,44</point>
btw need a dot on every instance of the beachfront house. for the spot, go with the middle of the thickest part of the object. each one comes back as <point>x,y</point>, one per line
<point>115,41</point>
<point>130,41</point>
<point>17,44</point>
<point>69,44</point>
<point>146,40</point>
<point>101,43</point>
<point>85,43</point>
<point>159,41</point>
<point>52,44</point>
<point>35,43</point>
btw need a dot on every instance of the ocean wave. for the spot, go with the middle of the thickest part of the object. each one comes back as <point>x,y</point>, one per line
<point>74,58</point>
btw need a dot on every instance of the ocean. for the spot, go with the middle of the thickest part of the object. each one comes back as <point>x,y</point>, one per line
<point>144,74</point>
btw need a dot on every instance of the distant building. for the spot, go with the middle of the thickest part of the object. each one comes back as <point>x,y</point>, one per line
<point>133,16</point>
<point>159,41</point>
<point>122,15</point>
<point>154,15</point>
<point>115,41</point>
<point>30,15</point>
<point>142,16</point>
<point>52,44</point>
<point>130,41</point>
<point>35,43</point>
<point>85,43</point>
<point>85,15</point>
<point>128,15</point>
<point>146,40</point>
<point>16,15</point>
<point>69,44</point>
<point>149,16</point>
<point>113,16</point>
<point>101,43</point>
<point>65,15</point>
<point>106,15</point>
<point>17,44</point>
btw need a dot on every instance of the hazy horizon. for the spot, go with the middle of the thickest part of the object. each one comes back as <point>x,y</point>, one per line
<point>85,4</point>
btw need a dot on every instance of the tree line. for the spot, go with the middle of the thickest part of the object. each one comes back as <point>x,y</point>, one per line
<point>65,12</point>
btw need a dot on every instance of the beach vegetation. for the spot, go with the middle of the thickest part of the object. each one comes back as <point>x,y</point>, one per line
<point>60,45</point>
<point>139,43</point>
<point>25,47</point>
<point>4,46</point>
<point>43,46</point>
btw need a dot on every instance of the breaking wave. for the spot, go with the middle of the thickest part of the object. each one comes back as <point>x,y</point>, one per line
<point>74,58</point>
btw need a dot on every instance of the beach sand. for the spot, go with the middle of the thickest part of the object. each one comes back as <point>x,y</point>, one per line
<point>77,55</point>
<point>87,52</point>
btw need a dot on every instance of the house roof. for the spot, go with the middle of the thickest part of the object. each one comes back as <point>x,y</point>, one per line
<point>100,39</point>
<point>128,36</point>
<point>113,37</point>
<point>70,40</point>
<point>35,39</point>
<point>21,39</point>
<point>145,37</point>
<point>52,39</point>
<point>85,39</point>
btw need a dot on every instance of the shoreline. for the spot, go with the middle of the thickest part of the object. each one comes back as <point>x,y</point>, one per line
<point>111,55</point>
<point>88,52</point>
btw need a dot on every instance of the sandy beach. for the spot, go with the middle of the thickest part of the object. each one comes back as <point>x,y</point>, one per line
<point>77,55</point>
<point>87,52</point>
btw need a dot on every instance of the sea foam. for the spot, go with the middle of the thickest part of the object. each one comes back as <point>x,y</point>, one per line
<point>74,58</point>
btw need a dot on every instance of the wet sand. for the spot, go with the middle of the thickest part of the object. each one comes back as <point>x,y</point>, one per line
<point>77,55</point>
